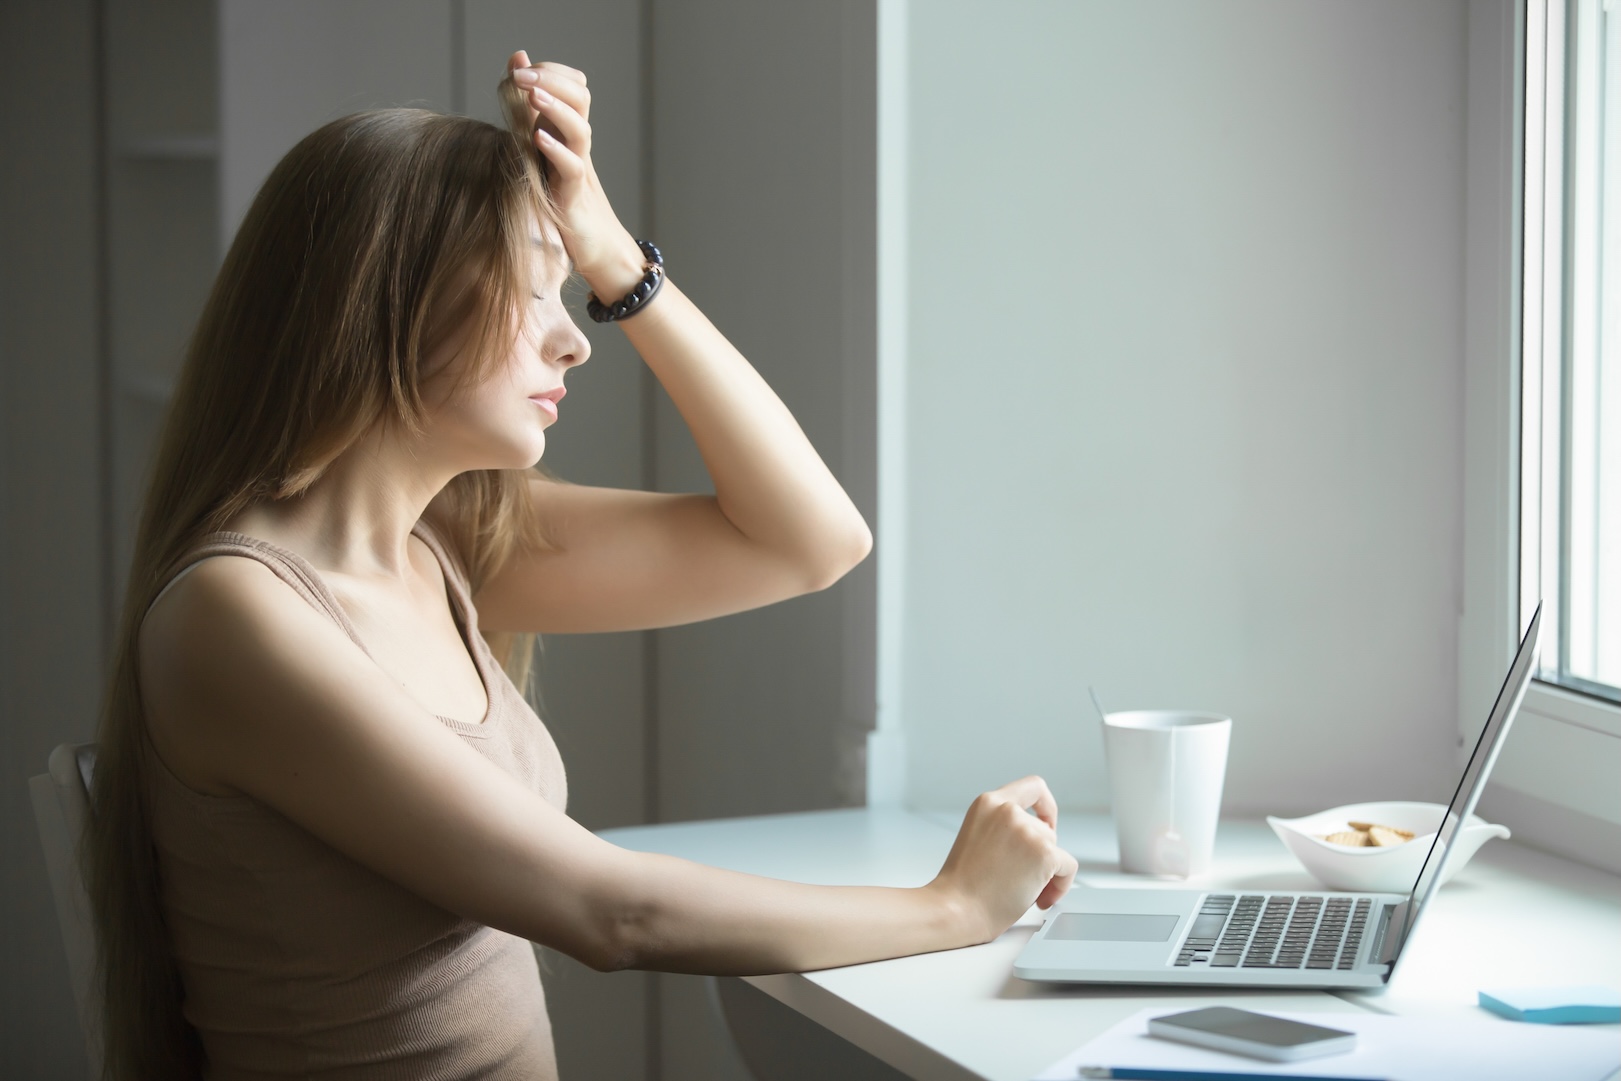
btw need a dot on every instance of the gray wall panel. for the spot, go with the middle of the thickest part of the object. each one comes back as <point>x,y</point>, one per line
<point>750,174</point>
<point>51,596</point>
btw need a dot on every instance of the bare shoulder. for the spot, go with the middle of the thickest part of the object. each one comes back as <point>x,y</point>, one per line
<point>220,599</point>
<point>207,649</point>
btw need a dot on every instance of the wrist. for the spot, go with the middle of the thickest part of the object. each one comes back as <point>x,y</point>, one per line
<point>957,918</point>
<point>616,271</point>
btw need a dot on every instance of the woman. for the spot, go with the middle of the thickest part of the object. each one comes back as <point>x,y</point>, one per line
<point>327,825</point>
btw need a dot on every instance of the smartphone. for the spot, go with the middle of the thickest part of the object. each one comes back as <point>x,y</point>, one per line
<point>1258,1035</point>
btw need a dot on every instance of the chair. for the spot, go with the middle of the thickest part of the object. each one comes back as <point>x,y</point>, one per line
<point>62,811</point>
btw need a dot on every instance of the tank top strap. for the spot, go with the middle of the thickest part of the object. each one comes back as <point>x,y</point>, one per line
<point>456,578</point>
<point>289,566</point>
<point>460,592</point>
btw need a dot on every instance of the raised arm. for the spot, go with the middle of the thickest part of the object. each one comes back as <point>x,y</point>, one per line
<point>779,523</point>
<point>249,690</point>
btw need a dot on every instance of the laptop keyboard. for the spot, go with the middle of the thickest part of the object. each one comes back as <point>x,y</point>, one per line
<point>1258,930</point>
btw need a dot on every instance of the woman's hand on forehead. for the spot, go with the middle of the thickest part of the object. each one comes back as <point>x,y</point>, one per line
<point>559,104</point>
<point>557,79</point>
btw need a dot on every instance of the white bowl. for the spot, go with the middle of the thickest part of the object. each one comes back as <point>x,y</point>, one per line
<point>1378,870</point>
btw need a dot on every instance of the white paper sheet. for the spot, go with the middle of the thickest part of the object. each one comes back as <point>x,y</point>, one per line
<point>1395,1048</point>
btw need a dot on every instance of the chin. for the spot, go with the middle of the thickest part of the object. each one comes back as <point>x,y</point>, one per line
<point>509,456</point>
<point>521,446</point>
<point>535,451</point>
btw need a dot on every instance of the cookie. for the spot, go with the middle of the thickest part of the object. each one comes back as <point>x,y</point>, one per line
<point>1385,837</point>
<point>1406,835</point>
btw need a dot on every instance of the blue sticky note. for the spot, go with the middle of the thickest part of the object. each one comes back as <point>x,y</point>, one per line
<point>1594,1005</point>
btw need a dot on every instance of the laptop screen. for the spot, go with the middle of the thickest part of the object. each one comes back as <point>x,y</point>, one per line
<point>1474,778</point>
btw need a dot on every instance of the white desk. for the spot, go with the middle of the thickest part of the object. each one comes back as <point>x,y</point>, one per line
<point>963,1015</point>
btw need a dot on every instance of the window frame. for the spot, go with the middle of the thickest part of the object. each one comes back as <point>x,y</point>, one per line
<point>1554,801</point>
<point>1554,259</point>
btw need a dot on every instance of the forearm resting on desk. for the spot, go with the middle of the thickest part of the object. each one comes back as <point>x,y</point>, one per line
<point>672,915</point>
<point>692,918</point>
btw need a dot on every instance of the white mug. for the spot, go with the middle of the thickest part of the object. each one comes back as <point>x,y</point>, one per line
<point>1166,769</point>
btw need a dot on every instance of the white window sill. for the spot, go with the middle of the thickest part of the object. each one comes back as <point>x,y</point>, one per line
<point>1554,785</point>
<point>1557,704</point>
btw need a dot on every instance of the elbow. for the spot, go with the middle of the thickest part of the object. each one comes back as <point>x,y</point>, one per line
<point>861,542</point>
<point>601,952</point>
<point>617,940</point>
<point>842,556</point>
<point>608,960</point>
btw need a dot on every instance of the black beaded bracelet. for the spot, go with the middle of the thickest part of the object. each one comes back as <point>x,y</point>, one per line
<point>633,301</point>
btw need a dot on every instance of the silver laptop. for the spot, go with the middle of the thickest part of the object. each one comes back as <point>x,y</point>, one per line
<point>1258,938</point>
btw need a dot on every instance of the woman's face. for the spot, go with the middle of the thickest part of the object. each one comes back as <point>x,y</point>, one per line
<point>499,421</point>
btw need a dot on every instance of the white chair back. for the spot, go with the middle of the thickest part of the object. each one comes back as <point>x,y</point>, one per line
<point>62,811</point>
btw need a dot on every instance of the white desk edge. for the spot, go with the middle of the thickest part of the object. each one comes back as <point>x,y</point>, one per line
<point>962,1015</point>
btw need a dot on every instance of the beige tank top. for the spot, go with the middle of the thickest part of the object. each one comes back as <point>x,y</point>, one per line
<point>299,962</point>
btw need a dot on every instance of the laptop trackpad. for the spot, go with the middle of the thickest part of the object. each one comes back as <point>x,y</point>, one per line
<point>1112,927</point>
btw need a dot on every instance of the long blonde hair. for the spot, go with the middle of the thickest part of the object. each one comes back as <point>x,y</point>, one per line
<point>372,240</point>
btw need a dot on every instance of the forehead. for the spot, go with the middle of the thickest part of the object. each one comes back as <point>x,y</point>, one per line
<point>546,244</point>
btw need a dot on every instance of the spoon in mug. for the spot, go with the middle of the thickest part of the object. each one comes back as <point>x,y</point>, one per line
<point>1103,714</point>
<point>1171,856</point>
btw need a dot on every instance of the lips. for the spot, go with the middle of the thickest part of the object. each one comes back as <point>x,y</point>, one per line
<point>548,400</point>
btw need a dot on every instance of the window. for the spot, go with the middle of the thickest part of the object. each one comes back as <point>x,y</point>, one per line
<point>1570,448</point>
<point>1542,435</point>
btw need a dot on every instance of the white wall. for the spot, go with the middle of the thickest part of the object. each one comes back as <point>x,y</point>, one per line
<point>1183,390</point>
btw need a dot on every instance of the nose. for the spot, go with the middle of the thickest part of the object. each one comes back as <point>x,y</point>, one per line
<point>573,347</point>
